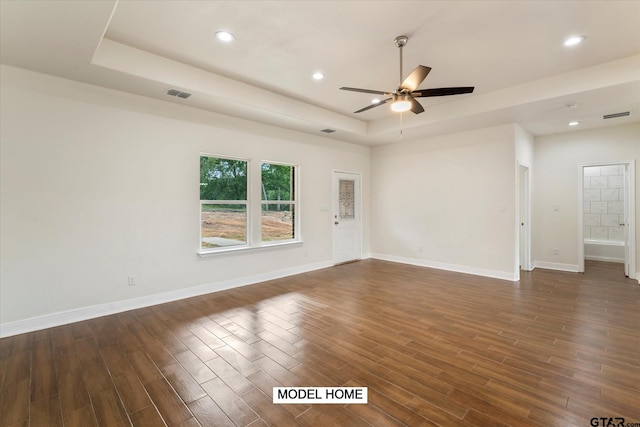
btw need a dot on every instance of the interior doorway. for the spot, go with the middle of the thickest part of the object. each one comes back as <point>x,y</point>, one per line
<point>606,212</point>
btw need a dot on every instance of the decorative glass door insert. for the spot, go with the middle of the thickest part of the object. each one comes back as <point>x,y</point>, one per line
<point>346,198</point>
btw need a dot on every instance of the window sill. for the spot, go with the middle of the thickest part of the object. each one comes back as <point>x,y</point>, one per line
<point>241,249</point>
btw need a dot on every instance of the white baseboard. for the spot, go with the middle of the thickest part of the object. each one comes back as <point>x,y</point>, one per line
<point>83,313</point>
<point>604,258</point>
<point>573,268</point>
<point>503,275</point>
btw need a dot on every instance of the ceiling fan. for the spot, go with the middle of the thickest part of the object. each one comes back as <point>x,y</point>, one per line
<point>404,97</point>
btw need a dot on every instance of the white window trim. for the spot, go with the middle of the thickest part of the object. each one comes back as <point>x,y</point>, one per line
<point>295,202</point>
<point>254,212</point>
<point>245,249</point>
<point>246,203</point>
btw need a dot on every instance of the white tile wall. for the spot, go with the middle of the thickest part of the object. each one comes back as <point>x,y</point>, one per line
<point>591,195</point>
<point>598,207</point>
<point>599,233</point>
<point>608,220</point>
<point>610,170</point>
<point>598,182</point>
<point>592,171</point>
<point>616,233</point>
<point>604,202</point>
<point>615,208</point>
<point>592,220</point>
<point>615,182</point>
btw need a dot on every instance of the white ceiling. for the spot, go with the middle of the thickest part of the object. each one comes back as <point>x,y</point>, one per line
<point>511,51</point>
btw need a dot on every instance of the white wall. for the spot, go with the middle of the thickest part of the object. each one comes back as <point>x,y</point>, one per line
<point>556,184</point>
<point>97,185</point>
<point>447,202</point>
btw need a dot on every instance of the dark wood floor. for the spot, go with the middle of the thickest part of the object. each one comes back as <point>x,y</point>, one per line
<point>433,348</point>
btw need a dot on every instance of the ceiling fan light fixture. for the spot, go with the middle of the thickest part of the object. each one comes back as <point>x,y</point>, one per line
<point>401,104</point>
<point>317,75</point>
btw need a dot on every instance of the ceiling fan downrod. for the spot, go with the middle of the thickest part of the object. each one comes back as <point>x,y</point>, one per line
<point>400,41</point>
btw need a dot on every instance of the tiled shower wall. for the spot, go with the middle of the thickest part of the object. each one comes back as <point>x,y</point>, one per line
<point>604,202</point>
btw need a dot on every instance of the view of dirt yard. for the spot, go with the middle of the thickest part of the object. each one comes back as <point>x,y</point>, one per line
<point>231,225</point>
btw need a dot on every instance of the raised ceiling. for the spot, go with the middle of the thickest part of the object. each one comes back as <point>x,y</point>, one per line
<point>511,52</point>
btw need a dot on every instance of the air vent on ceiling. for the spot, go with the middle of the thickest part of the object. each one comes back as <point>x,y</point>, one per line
<point>327,130</point>
<point>178,93</point>
<point>613,116</point>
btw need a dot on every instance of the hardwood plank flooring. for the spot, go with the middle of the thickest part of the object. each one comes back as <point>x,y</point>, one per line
<point>433,348</point>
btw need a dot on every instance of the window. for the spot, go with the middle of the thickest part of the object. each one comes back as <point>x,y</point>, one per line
<point>223,202</point>
<point>278,202</point>
<point>231,204</point>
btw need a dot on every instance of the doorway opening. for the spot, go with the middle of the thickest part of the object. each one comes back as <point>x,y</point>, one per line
<point>606,212</point>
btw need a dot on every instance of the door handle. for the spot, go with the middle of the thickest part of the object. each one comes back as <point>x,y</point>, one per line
<point>336,223</point>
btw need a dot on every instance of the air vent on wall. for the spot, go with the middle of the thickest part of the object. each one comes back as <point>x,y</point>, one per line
<point>327,130</point>
<point>613,116</point>
<point>178,93</point>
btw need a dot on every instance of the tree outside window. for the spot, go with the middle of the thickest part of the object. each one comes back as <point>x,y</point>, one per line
<point>223,202</point>
<point>278,202</point>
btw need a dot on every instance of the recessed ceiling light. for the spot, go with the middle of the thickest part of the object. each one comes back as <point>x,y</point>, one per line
<point>571,106</point>
<point>225,36</point>
<point>574,40</point>
<point>574,123</point>
<point>375,101</point>
<point>317,75</point>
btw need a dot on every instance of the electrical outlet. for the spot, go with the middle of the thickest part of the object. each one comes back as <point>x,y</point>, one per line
<point>132,280</point>
<point>419,249</point>
<point>556,251</point>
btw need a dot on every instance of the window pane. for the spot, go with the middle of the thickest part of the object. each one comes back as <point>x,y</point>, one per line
<point>346,197</point>
<point>223,225</point>
<point>222,179</point>
<point>277,182</point>
<point>278,221</point>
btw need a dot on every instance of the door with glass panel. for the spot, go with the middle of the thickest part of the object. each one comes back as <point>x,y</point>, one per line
<point>347,217</point>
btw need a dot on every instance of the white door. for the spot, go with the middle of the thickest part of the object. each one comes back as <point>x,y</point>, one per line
<point>347,217</point>
<point>525,228</point>
<point>625,224</point>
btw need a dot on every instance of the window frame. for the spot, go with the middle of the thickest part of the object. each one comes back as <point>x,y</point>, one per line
<point>246,203</point>
<point>294,203</point>
<point>253,209</point>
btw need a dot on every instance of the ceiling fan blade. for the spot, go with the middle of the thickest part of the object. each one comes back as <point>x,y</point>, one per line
<point>368,107</point>
<point>416,77</point>
<point>416,108</point>
<point>355,89</point>
<point>442,91</point>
